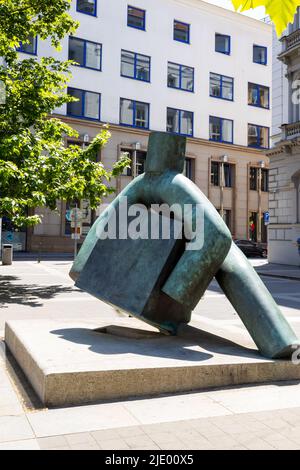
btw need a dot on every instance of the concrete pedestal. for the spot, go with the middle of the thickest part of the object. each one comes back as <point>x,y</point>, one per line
<point>74,363</point>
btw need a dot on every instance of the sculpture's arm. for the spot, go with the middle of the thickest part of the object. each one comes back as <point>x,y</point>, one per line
<point>131,191</point>
<point>196,268</point>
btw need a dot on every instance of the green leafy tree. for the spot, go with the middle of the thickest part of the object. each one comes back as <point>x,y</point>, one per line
<point>36,168</point>
<point>281,12</point>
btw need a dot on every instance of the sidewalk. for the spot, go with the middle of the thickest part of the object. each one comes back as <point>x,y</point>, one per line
<point>282,271</point>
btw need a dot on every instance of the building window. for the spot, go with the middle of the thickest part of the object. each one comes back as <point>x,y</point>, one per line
<point>258,95</point>
<point>222,43</point>
<point>260,55</point>
<point>265,180</point>
<point>181,32</point>
<point>87,106</point>
<point>89,7</point>
<point>28,47</point>
<point>136,18</point>
<point>135,66</point>
<point>258,136</point>
<point>253,178</point>
<point>86,53</point>
<point>134,113</point>
<point>216,174</point>
<point>140,157</point>
<point>189,168</point>
<point>221,86</point>
<point>180,122</point>
<point>220,130</point>
<point>180,77</point>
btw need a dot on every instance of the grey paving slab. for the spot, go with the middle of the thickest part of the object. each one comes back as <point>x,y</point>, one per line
<point>15,428</point>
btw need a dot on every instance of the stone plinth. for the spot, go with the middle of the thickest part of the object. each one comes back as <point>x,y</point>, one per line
<point>73,363</point>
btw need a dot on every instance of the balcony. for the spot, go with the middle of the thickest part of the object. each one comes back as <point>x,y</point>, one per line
<point>291,131</point>
<point>290,44</point>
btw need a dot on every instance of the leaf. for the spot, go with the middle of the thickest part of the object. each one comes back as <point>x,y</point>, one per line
<point>281,12</point>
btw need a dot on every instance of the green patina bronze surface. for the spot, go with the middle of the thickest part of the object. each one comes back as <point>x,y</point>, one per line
<point>159,281</point>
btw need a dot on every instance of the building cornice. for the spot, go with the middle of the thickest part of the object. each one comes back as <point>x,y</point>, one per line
<point>141,132</point>
<point>283,147</point>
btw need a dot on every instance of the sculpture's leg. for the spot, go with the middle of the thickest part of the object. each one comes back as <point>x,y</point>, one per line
<point>255,306</point>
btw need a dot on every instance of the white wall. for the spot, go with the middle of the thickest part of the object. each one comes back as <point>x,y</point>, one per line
<point>280,91</point>
<point>110,29</point>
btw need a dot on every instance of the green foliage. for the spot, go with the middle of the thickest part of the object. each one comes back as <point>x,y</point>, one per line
<point>281,12</point>
<point>36,168</point>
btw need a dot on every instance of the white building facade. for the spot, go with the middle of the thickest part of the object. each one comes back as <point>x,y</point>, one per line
<point>182,66</point>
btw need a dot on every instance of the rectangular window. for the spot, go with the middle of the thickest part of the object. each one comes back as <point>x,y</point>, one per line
<point>265,180</point>
<point>258,95</point>
<point>86,53</point>
<point>136,18</point>
<point>222,43</point>
<point>215,173</point>
<point>221,86</point>
<point>134,113</point>
<point>253,178</point>
<point>181,32</point>
<point>140,156</point>
<point>89,7</point>
<point>87,106</point>
<point>220,130</point>
<point>180,77</point>
<point>28,47</point>
<point>180,122</point>
<point>189,168</point>
<point>260,55</point>
<point>135,66</point>
<point>258,136</point>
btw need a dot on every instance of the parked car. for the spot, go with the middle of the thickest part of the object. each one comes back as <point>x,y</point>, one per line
<point>250,248</point>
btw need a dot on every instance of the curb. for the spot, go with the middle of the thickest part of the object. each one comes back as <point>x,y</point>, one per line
<point>279,276</point>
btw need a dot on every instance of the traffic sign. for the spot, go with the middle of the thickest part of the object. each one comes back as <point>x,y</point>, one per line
<point>68,215</point>
<point>76,214</point>
<point>267,218</point>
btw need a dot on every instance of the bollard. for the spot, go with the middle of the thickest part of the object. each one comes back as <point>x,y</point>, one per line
<point>7,254</point>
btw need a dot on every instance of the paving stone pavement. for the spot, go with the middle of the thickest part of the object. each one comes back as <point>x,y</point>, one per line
<point>250,417</point>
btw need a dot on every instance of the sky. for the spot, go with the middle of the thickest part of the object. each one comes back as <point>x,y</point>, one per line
<point>257,13</point>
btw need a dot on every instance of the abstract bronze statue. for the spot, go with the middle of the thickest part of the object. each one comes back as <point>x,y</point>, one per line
<point>161,281</point>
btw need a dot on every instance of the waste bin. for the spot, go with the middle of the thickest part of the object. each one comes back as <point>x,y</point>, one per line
<point>7,254</point>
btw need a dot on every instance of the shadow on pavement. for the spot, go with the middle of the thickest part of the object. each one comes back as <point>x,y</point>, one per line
<point>30,295</point>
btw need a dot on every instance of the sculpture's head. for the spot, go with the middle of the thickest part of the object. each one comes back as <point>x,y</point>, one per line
<point>165,152</point>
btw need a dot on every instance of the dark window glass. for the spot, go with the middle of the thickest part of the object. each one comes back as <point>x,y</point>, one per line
<point>221,86</point>
<point>265,180</point>
<point>136,18</point>
<point>88,104</point>
<point>180,77</point>
<point>228,175</point>
<point>258,136</point>
<point>135,66</point>
<point>85,53</point>
<point>30,47</point>
<point>220,129</point>
<point>222,43</point>
<point>140,161</point>
<point>188,168</point>
<point>253,178</point>
<point>215,174</point>
<point>179,121</point>
<point>260,55</point>
<point>134,113</point>
<point>258,95</point>
<point>181,31</point>
<point>87,6</point>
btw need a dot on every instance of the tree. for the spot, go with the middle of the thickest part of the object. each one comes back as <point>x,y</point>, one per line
<point>281,12</point>
<point>36,168</point>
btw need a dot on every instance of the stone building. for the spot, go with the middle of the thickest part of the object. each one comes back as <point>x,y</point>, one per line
<point>284,181</point>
